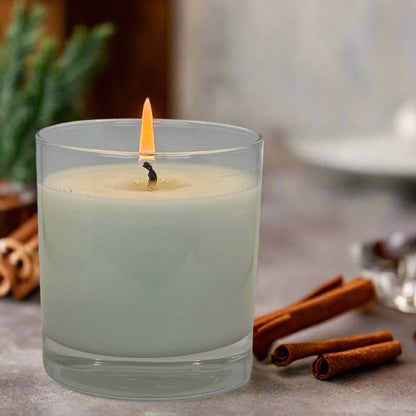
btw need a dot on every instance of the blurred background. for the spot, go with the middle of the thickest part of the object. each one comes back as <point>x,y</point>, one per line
<point>286,69</point>
<point>322,81</point>
<point>263,64</point>
<point>318,64</point>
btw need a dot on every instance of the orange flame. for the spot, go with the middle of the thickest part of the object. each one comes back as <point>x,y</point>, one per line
<point>147,139</point>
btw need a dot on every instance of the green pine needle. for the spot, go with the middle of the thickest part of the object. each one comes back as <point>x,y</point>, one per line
<point>38,87</point>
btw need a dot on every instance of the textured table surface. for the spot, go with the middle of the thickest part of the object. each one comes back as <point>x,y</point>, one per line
<point>309,221</point>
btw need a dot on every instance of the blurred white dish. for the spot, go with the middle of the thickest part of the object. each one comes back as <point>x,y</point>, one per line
<point>391,155</point>
<point>380,155</point>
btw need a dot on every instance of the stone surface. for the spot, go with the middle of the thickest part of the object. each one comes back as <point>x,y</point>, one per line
<point>310,219</point>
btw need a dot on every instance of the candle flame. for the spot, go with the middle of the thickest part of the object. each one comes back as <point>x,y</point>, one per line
<point>147,139</point>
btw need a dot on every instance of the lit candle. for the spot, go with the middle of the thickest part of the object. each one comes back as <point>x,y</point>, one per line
<point>151,273</point>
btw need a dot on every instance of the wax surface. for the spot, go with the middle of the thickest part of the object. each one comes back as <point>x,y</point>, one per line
<point>147,274</point>
<point>130,181</point>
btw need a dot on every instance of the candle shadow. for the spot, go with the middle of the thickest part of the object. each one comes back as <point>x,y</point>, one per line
<point>33,297</point>
<point>370,372</point>
<point>263,377</point>
<point>296,369</point>
<point>266,374</point>
<point>266,377</point>
<point>267,371</point>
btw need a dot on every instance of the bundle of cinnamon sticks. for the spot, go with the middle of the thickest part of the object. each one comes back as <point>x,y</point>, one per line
<point>337,355</point>
<point>19,260</point>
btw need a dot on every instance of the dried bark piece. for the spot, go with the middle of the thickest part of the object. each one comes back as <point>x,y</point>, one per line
<point>22,259</point>
<point>26,230</point>
<point>333,283</point>
<point>285,354</point>
<point>23,287</point>
<point>7,277</point>
<point>329,365</point>
<point>353,294</point>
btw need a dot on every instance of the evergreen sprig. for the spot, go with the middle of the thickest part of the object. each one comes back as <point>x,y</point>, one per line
<point>38,87</point>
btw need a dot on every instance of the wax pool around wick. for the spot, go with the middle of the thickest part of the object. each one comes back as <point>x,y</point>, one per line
<point>143,185</point>
<point>130,181</point>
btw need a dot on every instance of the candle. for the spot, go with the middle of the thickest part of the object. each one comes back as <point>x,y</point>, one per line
<point>176,265</point>
<point>153,273</point>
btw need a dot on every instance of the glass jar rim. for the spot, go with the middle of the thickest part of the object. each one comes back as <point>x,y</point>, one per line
<point>257,137</point>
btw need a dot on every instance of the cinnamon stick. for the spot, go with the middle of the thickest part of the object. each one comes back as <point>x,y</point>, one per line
<point>327,366</point>
<point>353,294</point>
<point>22,262</point>
<point>22,258</point>
<point>20,235</point>
<point>23,287</point>
<point>26,229</point>
<point>32,244</point>
<point>19,270</point>
<point>7,277</point>
<point>9,245</point>
<point>325,287</point>
<point>285,354</point>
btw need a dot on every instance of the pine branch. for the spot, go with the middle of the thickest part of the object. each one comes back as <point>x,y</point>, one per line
<point>20,42</point>
<point>83,58</point>
<point>37,88</point>
<point>80,63</point>
<point>38,95</point>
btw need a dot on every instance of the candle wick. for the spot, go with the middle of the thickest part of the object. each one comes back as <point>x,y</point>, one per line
<point>151,175</point>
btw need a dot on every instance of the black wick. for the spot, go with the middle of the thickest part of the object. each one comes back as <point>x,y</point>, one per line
<point>152,174</point>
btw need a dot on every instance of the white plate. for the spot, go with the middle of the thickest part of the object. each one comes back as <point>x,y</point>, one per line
<point>380,155</point>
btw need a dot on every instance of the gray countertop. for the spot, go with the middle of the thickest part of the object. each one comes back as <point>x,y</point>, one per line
<point>308,225</point>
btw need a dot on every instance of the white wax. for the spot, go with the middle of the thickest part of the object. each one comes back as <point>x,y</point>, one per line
<point>135,273</point>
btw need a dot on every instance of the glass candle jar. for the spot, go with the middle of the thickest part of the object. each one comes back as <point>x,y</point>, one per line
<point>147,287</point>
